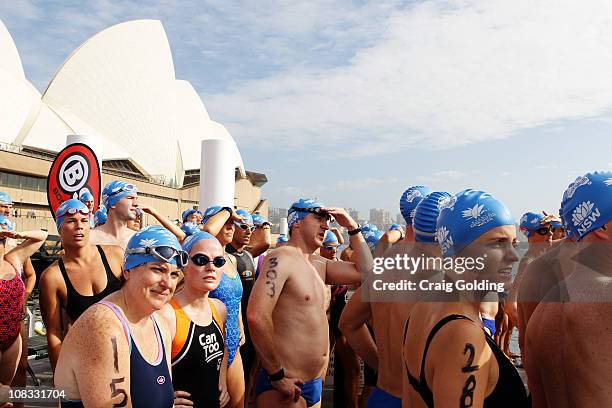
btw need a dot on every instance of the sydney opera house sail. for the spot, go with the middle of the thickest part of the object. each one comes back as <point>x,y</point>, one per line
<point>119,87</point>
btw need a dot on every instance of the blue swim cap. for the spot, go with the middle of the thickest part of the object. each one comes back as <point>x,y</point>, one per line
<point>248,219</point>
<point>210,211</point>
<point>5,221</point>
<point>466,216</point>
<point>190,228</point>
<point>296,214</point>
<point>259,220</point>
<point>409,200</point>
<point>330,239</point>
<point>368,227</point>
<point>530,222</point>
<point>556,224</point>
<point>282,240</point>
<point>372,237</point>
<point>86,196</point>
<point>147,240</point>
<point>116,190</point>
<point>188,212</point>
<point>426,216</point>
<point>199,235</point>
<point>395,227</point>
<point>5,198</point>
<point>587,203</point>
<point>69,207</point>
<point>100,216</point>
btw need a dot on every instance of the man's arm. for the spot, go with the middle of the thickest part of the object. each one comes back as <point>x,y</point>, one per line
<point>388,239</point>
<point>51,310</point>
<point>224,396</point>
<point>338,235</point>
<point>260,240</point>
<point>29,275</point>
<point>214,224</point>
<point>265,294</point>
<point>353,325</point>
<point>166,223</point>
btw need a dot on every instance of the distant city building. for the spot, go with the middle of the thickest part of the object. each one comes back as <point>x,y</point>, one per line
<point>274,216</point>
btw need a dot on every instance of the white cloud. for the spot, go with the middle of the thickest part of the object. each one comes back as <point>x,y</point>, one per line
<point>440,75</point>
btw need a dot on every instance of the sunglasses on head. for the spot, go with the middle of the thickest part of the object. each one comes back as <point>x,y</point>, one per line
<point>163,253</point>
<point>126,188</point>
<point>202,260</point>
<point>245,227</point>
<point>73,210</point>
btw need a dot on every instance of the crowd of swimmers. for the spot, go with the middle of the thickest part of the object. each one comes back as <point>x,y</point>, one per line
<point>211,313</point>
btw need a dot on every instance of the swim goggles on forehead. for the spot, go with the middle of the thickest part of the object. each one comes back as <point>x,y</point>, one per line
<point>127,188</point>
<point>245,227</point>
<point>72,211</point>
<point>330,247</point>
<point>202,260</point>
<point>315,210</point>
<point>163,253</point>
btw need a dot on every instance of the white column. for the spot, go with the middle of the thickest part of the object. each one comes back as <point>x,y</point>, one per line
<point>217,179</point>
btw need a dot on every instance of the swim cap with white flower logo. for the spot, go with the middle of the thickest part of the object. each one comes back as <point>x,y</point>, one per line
<point>149,237</point>
<point>426,216</point>
<point>410,199</point>
<point>294,214</point>
<point>587,206</point>
<point>530,223</point>
<point>478,212</point>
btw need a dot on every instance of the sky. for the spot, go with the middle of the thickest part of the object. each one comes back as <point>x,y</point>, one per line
<point>353,102</point>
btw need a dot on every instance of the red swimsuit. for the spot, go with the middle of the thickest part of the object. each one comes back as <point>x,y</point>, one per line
<point>12,298</point>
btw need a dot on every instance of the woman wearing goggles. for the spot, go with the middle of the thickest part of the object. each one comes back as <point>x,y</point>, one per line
<point>123,333</point>
<point>199,373</point>
<point>220,222</point>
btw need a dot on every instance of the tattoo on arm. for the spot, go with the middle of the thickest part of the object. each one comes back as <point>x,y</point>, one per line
<point>115,357</point>
<point>467,393</point>
<point>271,275</point>
<point>113,385</point>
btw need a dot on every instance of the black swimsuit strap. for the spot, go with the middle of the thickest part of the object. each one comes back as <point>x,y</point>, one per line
<point>69,287</point>
<point>107,268</point>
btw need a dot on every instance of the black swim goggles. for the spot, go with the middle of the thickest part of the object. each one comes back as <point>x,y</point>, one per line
<point>202,260</point>
<point>316,211</point>
<point>163,253</point>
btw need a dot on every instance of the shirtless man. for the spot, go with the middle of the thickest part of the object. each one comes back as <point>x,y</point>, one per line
<point>574,369</point>
<point>83,275</point>
<point>389,317</point>
<point>121,201</point>
<point>287,312</point>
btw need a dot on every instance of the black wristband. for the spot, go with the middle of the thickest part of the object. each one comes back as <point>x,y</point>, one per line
<point>279,375</point>
<point>355,231</point>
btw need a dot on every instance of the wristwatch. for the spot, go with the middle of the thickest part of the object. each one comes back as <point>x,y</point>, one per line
<point>355,231</point>
<point>277,376</point>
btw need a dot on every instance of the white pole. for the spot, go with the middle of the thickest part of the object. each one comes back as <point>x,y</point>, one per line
<point>217,179</point>
<point>284,228</point>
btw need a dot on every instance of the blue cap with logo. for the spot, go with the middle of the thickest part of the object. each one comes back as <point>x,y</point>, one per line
<point>5,198</point>
<point>368,227</point>
<point>199,235</point>
<point>282,240</point>
<point>69,207</point>
<point>259,220</point>
<point>190,228</point>
<point>395,227</point>
<point>210,211</point>
<point>587,203</point>
<point>426,216</point>
<point>86,196</point>
<point>116,190</point>
<point>153,244</point>
<point>530,222</point>
<point>330,239</point>
<point>372,237</point>
<point>301,208</point>
<point>248,218</point>
<point>466,216</point>
<point>410,199</point>
<point>5,221</point>
<point>100,216</point>
<point>188,212</point>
